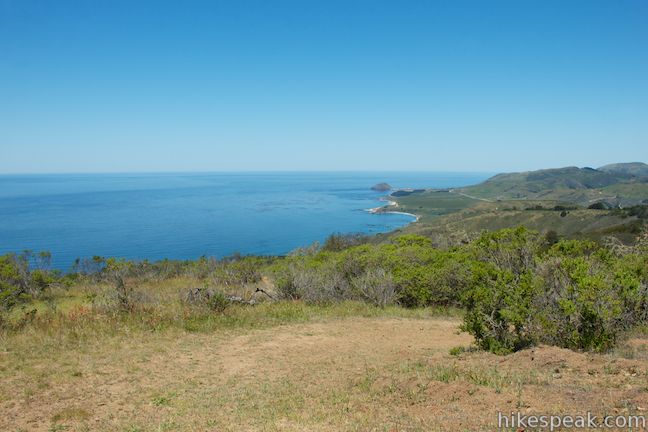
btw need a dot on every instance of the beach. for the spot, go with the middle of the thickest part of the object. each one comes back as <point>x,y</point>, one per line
<point>390,203</point>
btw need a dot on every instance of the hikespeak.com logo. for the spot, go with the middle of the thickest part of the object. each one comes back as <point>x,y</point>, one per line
<point>552,422</point>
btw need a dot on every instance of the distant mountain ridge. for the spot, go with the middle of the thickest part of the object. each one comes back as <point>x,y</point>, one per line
<point>633,168</point>
<point>616,184</point>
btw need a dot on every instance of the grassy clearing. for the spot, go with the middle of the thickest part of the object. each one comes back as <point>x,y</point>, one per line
<point>287,366</point>
<point>83,368</point>
<point>432,204</point>
<point>76,324</point>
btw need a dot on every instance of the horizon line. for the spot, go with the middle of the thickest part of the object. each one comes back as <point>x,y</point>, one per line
<point>275,171</point>
<point>245,172</point>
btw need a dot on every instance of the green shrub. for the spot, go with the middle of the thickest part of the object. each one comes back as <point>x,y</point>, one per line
<point>422,274</point>
<point>20,281</point>
<point>218,302</point>
<point>498,308</point>
<point>580,306</point>
<point>518,288</point>
<point>376,286</point>
<point>338,242</point>
<point>598,206</point>
<point>314,281</point>
<point>12,289</point>
<point>237,270</point>
<point>457,350</point>
<point>575,295</point>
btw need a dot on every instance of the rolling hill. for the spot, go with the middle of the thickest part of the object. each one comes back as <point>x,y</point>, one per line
<point>616,184</point>
<point>545,200</point>
<point>638,169</point>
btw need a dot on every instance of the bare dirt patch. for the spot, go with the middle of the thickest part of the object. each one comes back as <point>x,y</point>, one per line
<point>349,374</point>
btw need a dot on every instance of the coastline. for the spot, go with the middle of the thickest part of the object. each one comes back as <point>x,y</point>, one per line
<point>390,203</point>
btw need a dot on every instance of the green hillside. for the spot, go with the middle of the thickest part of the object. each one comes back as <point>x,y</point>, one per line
<point>618,184</point>
<point>577,223</point>
<point>546,200</point>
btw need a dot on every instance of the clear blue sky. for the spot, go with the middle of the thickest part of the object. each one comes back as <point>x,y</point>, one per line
<point>96,86</point>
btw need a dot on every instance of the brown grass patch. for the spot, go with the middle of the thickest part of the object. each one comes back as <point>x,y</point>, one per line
<point>379,373</point>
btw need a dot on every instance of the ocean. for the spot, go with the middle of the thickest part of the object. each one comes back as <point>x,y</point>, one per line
<point>188,215</point>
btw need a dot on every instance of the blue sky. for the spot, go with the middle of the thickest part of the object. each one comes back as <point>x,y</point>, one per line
<point>90,86</point>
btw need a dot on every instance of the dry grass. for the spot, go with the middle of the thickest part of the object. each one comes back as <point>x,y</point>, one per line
<point>290,367</point>
<point>298,376</point>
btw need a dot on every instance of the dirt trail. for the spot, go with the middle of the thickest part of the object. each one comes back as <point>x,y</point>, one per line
<point>471,196</point>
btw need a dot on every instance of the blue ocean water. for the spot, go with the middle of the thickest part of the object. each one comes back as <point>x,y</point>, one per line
<point>185,216</point>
